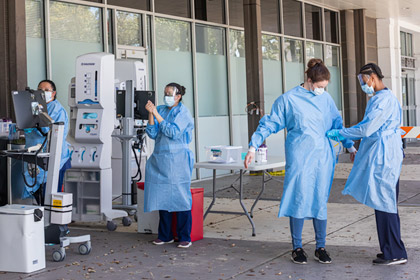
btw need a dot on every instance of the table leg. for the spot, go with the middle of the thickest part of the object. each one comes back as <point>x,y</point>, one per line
<point>214,194</point>
<point>242,204</point>
<point>259,195</point>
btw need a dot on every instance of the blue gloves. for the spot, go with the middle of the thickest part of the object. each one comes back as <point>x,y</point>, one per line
<point>335,135</point>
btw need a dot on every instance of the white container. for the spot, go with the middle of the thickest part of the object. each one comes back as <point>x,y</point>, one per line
<point>224,154</point>
<point>261,155</point>
<point>146,222</point>
<point>62,208</point>
<point>22,247</point>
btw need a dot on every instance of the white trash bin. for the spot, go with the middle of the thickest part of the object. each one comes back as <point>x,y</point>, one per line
<point>22,245</point>
<point>146,222</point>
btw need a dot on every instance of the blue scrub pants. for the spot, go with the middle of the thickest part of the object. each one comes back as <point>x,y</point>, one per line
<point>389,234</point>
<point>183,225</point>
<point>320,227</point>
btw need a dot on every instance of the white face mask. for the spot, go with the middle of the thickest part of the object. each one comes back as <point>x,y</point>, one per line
<point>318,91</point>
<point>48,96</point>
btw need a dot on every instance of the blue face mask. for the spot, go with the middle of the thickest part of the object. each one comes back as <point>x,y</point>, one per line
<point>169,101</point>
<point>368,89</point>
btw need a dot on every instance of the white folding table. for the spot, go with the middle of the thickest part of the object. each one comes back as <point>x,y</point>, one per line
<point>272,163</point>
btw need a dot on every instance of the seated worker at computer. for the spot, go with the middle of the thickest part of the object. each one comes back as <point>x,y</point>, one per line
<point>34,137</point>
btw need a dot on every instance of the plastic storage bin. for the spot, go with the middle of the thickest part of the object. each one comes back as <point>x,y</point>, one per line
<point>22,238</point>
<point>224,154</point>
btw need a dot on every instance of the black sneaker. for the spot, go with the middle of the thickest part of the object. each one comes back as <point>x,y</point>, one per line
<point>299,256</point>
<point>380,256</point>
<point>381,261</point>
<point>322,256</point>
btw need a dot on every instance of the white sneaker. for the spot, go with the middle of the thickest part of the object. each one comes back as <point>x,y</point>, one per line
<point>184,244</point>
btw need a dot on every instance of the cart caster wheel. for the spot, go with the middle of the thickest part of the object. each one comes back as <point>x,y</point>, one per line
<point>111,226</point>
<point>59,256</point>
<point>253,234</point>
<point>136,218</point>
<point>252,216</point>
<point>84,249</point>
<point>126,221</point>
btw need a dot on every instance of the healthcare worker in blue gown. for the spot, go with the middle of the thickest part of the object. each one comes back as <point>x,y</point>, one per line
<point>34,137</point>
<point>307,112</point>
<point>374,178</point>
<point>169,169</point>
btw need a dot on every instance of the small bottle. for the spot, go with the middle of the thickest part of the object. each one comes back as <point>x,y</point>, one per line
<point>261,155</point>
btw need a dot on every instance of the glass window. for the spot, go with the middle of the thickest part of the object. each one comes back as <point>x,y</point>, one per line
<point>313,22</point>
<point>332,61</point>
<point>211,71</point>
<point>236,13</point>
<point>409,44</point>
<point>270,20</point>
<point>273,87</point>
<point>129,29</point>
<point>35,42</point>
<point>134,4</point>
<point>238,88</point>
<point>174,58</point>
<point>213,10</point>
<point>313,50</point>
<point>272,72</point>
<point>331,26</point>
<point>180,8</point>
<point>403,44</point>
<point>75,30</point>
<point>292,18</point>
<point>294,68</point>
<point>212,88</point>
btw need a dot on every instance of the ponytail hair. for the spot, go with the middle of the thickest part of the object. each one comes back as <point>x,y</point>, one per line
<point>179,89</point>
<point>317,71</point>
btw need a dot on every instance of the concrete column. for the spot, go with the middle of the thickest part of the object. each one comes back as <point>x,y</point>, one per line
<point>389,58</point>
<point>13,74</point>
<point>253,58</point>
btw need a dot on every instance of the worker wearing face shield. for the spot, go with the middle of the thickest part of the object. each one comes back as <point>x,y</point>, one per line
<point>33,137</point>
<point>374,178</point>
<point>307,112</point>
<point>169,169</point>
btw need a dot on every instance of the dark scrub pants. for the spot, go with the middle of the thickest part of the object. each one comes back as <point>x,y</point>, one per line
<point>389,234</point>
<point>183,225</point>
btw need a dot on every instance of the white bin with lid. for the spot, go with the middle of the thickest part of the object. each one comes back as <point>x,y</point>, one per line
<point>22,242</point>
<point>223,154</point>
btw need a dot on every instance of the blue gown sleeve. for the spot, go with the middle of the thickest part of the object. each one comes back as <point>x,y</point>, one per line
<point>152,130</point>
<point>175,129</point>
<point>338,124</point>
<point>376,115</point>
<point>270,124</point>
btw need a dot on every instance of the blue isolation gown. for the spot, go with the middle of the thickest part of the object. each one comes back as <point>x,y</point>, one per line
<point>310,157</point>
<point>33,137</point>
<point>169,168</point>
<point>377,166</point>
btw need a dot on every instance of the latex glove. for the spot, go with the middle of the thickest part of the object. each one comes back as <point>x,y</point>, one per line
<point>249,158</point>
<point>28,130</point>
<point>335,135</point>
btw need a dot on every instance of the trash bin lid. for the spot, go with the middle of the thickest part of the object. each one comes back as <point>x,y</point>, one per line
<point>18,209</point>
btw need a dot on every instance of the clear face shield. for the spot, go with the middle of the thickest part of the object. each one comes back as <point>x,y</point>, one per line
<point>169,93</point>
<point>361,80</point>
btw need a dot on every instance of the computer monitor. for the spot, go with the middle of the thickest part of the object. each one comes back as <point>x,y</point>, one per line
<point>28,106</point>
<point>141,98</point>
